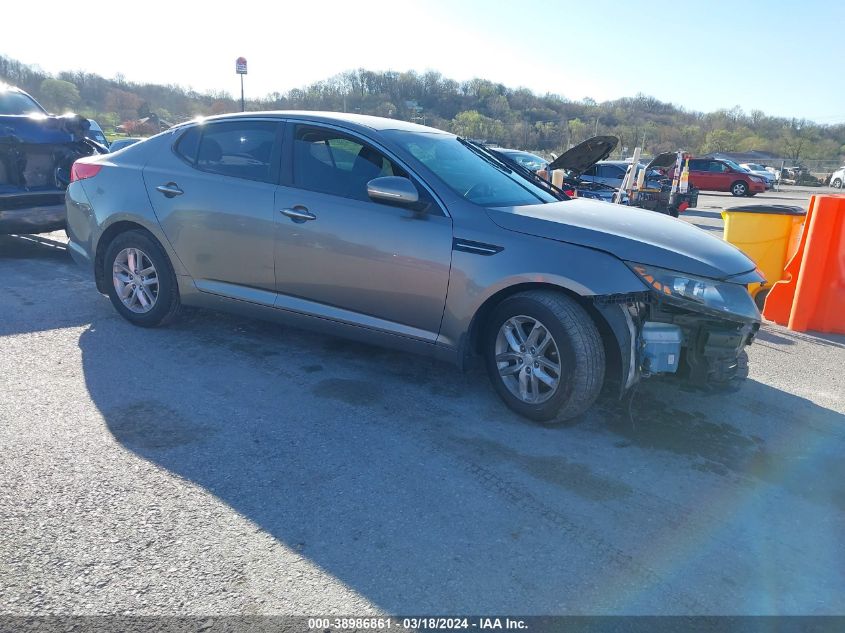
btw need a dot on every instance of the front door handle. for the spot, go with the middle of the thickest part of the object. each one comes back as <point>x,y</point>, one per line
<point>170,190</point>
<point>299,214</point>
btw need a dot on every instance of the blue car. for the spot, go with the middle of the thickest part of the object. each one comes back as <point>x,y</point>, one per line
<point>37,151</point>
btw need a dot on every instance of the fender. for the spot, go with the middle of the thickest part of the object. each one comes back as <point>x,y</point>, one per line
<point>474,283</point>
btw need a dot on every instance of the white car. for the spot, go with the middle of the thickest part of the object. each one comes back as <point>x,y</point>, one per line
<point>762,172</point>
<point>837,178</point>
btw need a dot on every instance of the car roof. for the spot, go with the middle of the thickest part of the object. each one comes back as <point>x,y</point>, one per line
<point>10,88</point>
<point>376,123</point>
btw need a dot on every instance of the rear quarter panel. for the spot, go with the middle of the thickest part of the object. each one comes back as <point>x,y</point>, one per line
<point>116,194</point>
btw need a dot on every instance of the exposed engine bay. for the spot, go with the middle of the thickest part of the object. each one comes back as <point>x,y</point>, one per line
<point>36,155</point>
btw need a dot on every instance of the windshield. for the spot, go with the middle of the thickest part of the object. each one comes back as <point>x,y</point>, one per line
<point>733,165</point>
<point>12,102</point>
<point>468,172</point>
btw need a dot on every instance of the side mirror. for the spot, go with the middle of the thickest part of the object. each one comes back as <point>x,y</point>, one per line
<point>393,190</point>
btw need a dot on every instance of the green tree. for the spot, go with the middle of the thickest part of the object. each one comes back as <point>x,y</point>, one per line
<point>58,95</point>
<point>473,124</point>
<point>718,141</point>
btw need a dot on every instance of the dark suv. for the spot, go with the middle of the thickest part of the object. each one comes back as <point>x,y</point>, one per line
<point>712,174</point>
<point>36,152</point>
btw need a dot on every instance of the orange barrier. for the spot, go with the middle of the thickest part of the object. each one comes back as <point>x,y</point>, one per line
<point>812,297</point>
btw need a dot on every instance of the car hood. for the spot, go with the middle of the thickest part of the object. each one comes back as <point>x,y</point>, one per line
<point>67,128</point>
<point>666,160</point>
<point>631,234</point>
<point>584,155</point>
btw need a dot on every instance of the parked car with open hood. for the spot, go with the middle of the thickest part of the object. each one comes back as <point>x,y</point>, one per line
<point>36,154</point>
<point>572,162</point>
<point>410,237</point>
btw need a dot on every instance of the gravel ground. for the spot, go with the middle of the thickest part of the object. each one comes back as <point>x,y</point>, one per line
<point>228,466</point>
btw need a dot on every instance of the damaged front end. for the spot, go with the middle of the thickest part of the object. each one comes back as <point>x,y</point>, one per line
<point>36,155</point>
<point>691,326</point>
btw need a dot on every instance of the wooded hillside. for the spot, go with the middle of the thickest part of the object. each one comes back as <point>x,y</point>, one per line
<point>477,108</point>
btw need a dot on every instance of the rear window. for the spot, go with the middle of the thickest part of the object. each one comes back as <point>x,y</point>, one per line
<point>188,144</point>
<point>241,149</point>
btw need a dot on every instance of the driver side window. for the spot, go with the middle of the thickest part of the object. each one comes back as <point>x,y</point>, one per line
<point>330,162</point>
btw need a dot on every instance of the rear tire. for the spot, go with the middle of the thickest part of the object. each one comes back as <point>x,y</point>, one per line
<point>575,348</point>
<point>141,283</point>
<point>739,189</point>
<point>836,184</point>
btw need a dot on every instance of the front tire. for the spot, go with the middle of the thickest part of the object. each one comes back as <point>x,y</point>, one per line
<point>739,189</point>
<point>837,183</point>
<point>544,356</point>
<point>143,285</point>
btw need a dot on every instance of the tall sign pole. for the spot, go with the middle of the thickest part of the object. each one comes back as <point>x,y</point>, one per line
<point>240,68</point>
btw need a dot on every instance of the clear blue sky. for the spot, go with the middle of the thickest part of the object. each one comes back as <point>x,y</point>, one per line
<point>786,59</point>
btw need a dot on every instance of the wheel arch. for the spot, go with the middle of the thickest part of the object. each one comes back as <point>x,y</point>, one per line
<point>106,237</point>
<point>739,181</point>
<point>615,339</point>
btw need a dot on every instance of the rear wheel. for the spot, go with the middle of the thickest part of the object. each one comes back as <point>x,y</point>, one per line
<point>739,189</point>
<point>544,356</point>
<point>837,183</point>
<point>143,285</point>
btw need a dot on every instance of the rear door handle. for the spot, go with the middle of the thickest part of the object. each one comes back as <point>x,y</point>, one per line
<point>299,214</point>
<point>171,190</point>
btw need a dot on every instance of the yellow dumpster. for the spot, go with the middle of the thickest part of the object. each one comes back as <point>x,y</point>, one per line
<point>768,234</point>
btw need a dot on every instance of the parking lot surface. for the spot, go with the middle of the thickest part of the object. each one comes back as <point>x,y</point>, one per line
<point>223,465</point>
<point>707,215</point>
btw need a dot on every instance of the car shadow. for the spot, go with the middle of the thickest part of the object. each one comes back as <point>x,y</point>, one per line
<point>409,482</point>
<point>33,269</point>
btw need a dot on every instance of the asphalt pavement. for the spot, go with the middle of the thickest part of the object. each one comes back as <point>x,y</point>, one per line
<point>230,466</point>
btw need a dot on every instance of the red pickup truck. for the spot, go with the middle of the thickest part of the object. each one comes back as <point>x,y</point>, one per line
<point>713,174</point>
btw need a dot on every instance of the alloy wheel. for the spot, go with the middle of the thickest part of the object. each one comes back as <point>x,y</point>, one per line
<point>528,359</point>
<point>135,280</point>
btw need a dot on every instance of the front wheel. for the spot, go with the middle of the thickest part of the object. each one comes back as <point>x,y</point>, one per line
<point>837,183</point>
<point>544,356</point>
<point>739,189</point>
<point>143,285</point>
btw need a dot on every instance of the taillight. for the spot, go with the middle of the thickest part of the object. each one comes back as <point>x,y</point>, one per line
<point>81,171</point>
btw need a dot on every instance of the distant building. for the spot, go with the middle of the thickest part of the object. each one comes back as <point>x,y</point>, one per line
<point>150,124</point>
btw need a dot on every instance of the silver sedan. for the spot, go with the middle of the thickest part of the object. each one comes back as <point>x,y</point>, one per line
<point>403,235</point>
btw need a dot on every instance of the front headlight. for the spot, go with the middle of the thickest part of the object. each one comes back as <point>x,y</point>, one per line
<point>701,294</point>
